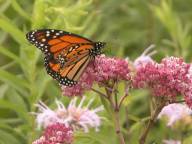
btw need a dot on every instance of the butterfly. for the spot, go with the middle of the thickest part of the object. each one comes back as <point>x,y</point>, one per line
<point>66,54</point>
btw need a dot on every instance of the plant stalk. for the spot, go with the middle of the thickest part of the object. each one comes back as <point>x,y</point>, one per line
<point>150,124</point>
<point>117,127</point>
<point>115,107</point>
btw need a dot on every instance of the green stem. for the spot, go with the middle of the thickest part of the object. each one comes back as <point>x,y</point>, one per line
<point>150,124</point>
<point>115,108</point>
<point>117,127</point>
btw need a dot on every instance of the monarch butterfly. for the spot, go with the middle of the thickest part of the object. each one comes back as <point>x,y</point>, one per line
<point>66,54</point>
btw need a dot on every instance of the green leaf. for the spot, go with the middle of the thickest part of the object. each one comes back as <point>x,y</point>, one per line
<point>19,10</point>
<point>11,130</point>
<point>8,138</point>
<point>14,81</point>
<point>106,105</point>
<point>14,97</point>
<point>133,118</point>
<point>3,89</point>
<point>40,85</point>
<point>89,137</point>
<point>17,35</point>
<point>11,121</point>
<point>187,140</point>
<point>39,14</point>
<point>9,54</point>
<point>16,108</point>
<point>5,5</point>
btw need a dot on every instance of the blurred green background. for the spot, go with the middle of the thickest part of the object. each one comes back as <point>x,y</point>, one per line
<point>128,27</point>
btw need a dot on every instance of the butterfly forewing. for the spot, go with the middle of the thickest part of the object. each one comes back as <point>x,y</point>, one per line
<point>51,41</point>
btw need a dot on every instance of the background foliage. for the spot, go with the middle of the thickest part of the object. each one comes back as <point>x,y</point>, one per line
<point>128,27</point>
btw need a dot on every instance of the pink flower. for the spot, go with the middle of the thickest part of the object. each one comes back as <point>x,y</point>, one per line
<point>111,68</point>
<point>169,78</point>
<point>100,70</point>
<point>175,112</point>
<point>171,142</point>
<point>46,116</point>
<point>188,90</point>
<point>56,134</point>
<point>145,57</point>
<point>75,116</point>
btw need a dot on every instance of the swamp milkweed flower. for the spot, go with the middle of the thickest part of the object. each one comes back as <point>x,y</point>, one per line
<point>56,134</point>
<point>100,70</point>
<point>75,116</point>
<point>169,78</point>
<point>175,112</point>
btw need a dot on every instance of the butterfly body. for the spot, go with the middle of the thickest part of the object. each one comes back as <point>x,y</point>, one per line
<point>66,54</point>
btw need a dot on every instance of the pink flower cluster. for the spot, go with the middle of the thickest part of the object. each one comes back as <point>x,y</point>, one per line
<point>56,134</point>
<point>100,70</point>
<point>169,78</point>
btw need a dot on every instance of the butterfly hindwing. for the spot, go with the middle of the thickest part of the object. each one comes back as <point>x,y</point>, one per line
<point>69,74</point>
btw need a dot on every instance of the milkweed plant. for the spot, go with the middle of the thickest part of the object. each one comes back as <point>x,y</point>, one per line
<point>135,92</point>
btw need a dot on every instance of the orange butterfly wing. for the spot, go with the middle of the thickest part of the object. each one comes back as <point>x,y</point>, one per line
<point>69,74</point>
<point>51,41</point>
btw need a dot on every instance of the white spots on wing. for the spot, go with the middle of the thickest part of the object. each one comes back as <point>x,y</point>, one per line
<point>70,49</point>
<point>76,46</point>
<point>67,82</point>
<point>40,43</point>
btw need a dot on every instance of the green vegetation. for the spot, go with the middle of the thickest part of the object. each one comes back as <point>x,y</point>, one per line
<point>127,26</point>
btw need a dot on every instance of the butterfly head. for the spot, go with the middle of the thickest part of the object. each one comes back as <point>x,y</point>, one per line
<point>97,48</point>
